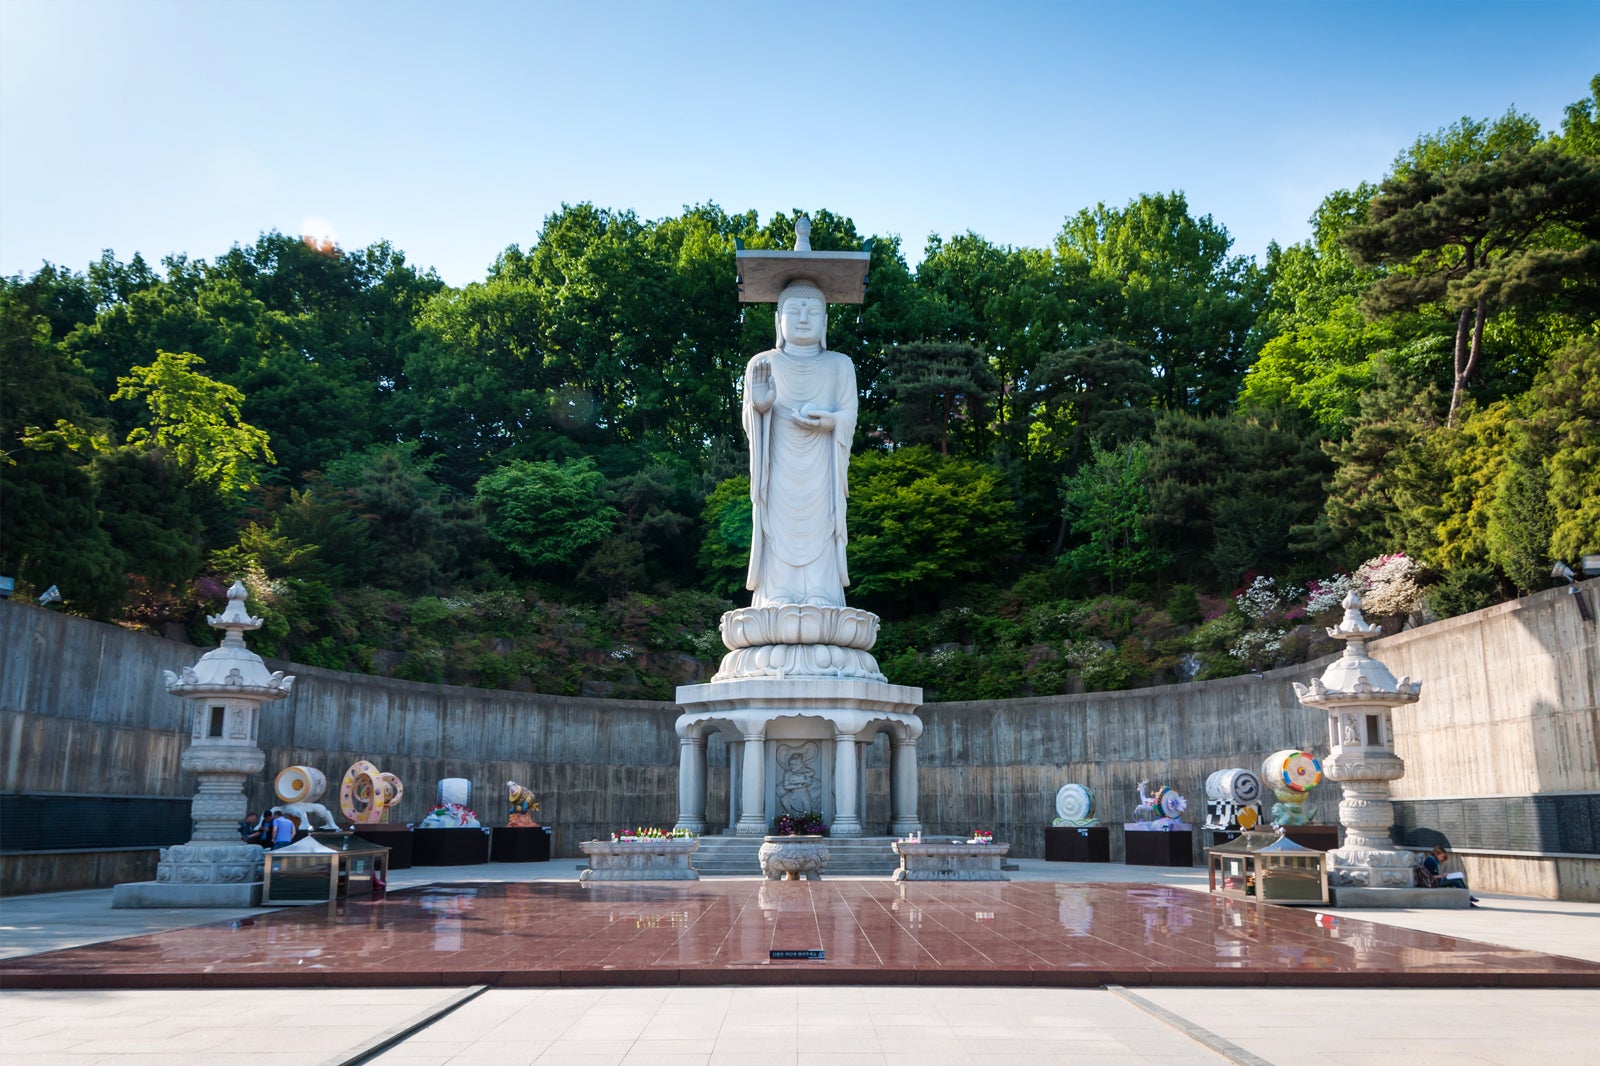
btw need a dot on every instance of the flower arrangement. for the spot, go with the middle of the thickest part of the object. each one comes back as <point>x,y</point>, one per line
<point>645,834</point>
<point>806,823</point>
<point>982,836</point>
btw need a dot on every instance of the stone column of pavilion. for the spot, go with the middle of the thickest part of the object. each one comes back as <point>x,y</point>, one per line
<point>799,697</point>
<point>1358,693</point>
<point>225,690</point>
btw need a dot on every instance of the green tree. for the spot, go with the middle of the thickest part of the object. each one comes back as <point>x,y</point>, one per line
<point>1228,493</point>
<point>921,524</point>
<point>50,532</point>
<point>1102,391</point>
<point>939,389</point>
<point>1105,504</point>
<point>425,537</point>
<point>1517,227</point>
<point>197,421</point>
<point>726,525</point>
<point>1167,286</point>
<point>1580,127</point>
<point>546,513</point>
<point>1380,465</point>
<point>1015,304</point>
<point>151,515</point>
<point>1563,421</point>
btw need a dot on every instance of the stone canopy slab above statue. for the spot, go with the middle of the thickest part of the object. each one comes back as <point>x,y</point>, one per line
<point>763,274</point>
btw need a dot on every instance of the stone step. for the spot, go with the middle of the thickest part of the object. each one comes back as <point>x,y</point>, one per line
<point>736,856</point>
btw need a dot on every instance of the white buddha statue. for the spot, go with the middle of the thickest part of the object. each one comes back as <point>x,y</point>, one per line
<point>800,417</point>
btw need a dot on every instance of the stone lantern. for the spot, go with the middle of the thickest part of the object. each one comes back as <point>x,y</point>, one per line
<point>225,690</point>
<point>1359,694</point>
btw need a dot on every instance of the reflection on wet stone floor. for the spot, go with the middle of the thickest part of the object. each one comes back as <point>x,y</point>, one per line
<point>872,932</point>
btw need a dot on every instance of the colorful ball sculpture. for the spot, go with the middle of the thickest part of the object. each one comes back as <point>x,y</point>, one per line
<point>1292,774</point>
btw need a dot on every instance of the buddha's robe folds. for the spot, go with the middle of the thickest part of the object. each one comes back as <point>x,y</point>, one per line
<point>799,480</point>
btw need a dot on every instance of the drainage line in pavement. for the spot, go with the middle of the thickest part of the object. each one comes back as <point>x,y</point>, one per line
<point>1226,1048</point>
<point>371,1049</point>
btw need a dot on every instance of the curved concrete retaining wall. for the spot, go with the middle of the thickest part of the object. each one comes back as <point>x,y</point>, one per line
<point>1509,709</point>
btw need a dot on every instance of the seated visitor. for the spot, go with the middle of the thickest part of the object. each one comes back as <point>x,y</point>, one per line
<point>257,829</point>
<point>1431,874</point>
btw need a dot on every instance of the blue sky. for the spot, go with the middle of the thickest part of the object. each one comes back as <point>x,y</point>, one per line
<point>454,130</point>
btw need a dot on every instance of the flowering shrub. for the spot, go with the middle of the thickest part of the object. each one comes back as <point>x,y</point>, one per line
<point>1264,598</point>
<point>1388,585</point>
<point>1258,648</point>
<point>806,823</point>
<point>1322,596</point>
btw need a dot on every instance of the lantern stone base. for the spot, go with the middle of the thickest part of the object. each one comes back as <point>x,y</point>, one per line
<point>1353,897</point>
<point>1361,867</point>
<point>198,875</point>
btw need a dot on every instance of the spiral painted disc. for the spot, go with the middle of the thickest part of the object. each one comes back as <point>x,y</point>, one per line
<point>1172,804</point>
<point>1074,803</point>
<point>1242,786</point>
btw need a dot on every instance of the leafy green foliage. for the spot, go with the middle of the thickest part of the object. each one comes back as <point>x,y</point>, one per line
<point>545,513</point>
<point>726,525</point>
<point>919,522</point>
<point>1226,494</point>
<point>1480,220</point>
<point>1105,504</point>
<point>196,420</point>
<point>1162,281</point>
<point>939,390</point>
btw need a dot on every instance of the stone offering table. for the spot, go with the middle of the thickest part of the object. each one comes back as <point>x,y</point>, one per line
<point>955,861</point>
<point>793,857</point>
<point>627,860</point>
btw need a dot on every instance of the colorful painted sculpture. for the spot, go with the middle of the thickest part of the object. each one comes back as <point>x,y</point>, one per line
<point>1291,774</point>
<point>301,788</point>
<point>520,799</point>
<point>1161,810</point>
<point>367,794</point>
<point>1075,806</point>
<point>1232,800</point>
<point>450,816</point>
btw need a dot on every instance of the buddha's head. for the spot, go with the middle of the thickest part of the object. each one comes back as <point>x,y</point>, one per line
<point>802,315</point>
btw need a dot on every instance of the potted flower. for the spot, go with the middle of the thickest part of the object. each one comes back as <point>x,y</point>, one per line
<point>982,836</point>
<point>806,823</point>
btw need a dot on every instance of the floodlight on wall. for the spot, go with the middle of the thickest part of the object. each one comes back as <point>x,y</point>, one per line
<point>1562,571</point>
<point>8,585</point>
<point>1590,565</point>
<point>49,596</point>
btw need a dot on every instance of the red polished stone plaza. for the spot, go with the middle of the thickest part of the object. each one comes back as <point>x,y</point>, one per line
<point>723,933</point>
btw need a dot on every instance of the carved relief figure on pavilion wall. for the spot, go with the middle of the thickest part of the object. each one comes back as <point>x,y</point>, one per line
<point>800,417</point>
<point>799,791</point>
